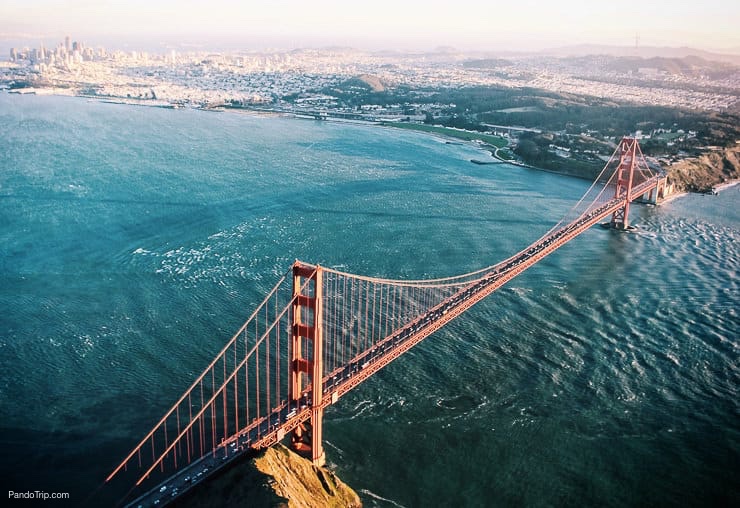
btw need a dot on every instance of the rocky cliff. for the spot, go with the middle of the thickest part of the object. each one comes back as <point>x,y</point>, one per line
<point>275,478</point>
<point>702,173</point>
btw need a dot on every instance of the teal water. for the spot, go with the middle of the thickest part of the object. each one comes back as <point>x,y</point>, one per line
<point>134,242</point>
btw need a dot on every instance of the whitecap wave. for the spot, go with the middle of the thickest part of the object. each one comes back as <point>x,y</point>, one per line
<point>380,498</point>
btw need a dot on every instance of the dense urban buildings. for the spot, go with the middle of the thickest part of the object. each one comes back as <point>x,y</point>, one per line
<point>201,78</point>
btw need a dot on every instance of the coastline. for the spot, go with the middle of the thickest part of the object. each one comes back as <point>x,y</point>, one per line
<point>674,196</point>
<point>726,185</point>
<point>489,148</point>
<point>483,146</point>
<point>719,188</point>
<point>67,92</point>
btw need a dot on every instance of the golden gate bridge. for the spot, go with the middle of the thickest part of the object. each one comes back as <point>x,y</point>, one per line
<point>320,332</point>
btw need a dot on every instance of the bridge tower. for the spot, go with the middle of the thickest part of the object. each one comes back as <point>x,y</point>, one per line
<point>307,362</point>
<point>625,175</point>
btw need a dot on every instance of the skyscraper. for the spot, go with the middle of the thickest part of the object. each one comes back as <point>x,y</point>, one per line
<point>66,44</point>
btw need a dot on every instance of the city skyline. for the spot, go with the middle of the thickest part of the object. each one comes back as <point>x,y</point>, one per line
<point>524,26</point>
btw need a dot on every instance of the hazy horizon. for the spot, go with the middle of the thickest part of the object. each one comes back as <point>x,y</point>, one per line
<point>411,26</point>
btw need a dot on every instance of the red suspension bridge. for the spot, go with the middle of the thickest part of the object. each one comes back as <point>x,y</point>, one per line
<point>321,332</point>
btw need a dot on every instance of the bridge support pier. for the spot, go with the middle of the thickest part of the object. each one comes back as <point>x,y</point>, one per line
<point>308,362</point>
<point>655,196</point>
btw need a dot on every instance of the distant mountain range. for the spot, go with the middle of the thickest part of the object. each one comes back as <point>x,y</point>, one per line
<point>643,52</point>
<point>680,57</point>
<point>687,66</point>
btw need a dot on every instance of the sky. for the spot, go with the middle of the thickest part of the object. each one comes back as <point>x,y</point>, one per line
<point>378,24</point>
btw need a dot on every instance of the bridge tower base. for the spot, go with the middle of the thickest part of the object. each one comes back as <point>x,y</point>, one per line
<point>307,362</point>
<point>656,196</point>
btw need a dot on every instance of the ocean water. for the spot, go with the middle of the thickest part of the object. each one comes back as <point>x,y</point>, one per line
<point>134,241</point>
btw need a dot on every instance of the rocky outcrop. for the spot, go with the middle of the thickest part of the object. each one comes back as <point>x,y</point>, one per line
<point>702,173</point>
<point>275,478</point>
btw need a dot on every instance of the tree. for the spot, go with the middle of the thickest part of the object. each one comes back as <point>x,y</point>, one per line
<point>528,150</point>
